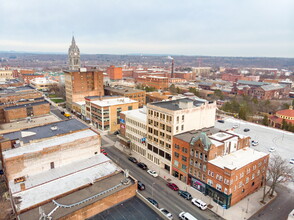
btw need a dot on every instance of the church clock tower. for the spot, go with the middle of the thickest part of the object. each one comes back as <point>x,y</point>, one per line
<point>74,62</point>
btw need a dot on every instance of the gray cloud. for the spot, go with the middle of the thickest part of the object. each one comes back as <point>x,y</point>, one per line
<point>212,27</point>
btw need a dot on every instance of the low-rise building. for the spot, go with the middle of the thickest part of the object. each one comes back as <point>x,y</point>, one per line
<point>43,84</point>
<point>286,115</point>
<point>158,82</point>
<point>135,94</point>
<point>57,171</point>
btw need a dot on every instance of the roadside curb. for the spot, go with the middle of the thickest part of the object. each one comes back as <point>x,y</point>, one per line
<point>263,207</point>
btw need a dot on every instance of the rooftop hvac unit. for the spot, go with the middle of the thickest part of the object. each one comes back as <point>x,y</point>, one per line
<point>54,128</point>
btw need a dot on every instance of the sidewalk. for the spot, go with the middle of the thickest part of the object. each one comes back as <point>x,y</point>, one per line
<point>242,210</point>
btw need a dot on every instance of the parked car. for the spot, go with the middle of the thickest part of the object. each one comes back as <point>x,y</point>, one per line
<point>142,166</point>
<point>1,172</point>
<point>185,194</point>
<point>272,149</point>
<point>199,203</point>
<point>152,201</point>
<point>133,159</point>
<point>254,143</point>
<point>166,213</point>
<point>141,186</point>
<point>152,173</point>
<point>105,153</point>
<point>173,186</point>
<point>116,132</point>
<point>221,121</point>
<point>246,130</point>
<point>186,216</point>
<point>291,161</point>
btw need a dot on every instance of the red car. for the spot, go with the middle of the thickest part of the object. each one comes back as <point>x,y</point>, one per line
<point>173,186</point>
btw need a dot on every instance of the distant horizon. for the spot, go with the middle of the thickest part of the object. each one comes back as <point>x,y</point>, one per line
<point>226,28</point>
<point>139,54</point>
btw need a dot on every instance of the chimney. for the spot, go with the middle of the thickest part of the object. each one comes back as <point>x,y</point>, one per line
<point>172,68</point>
<point>22,187</point>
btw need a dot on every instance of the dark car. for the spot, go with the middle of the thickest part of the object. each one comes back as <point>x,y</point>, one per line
<point>133,159</point>
<point>152,201</point>
<point>1,172</point>
<point>142,166</point>
<point>116,132</point>
<point>246,129</point>
<point>173,186</point>
<point>221,121</point>
<point>141,186</point>
<point>185,194</point>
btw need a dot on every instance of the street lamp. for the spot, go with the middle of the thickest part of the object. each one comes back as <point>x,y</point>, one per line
<point>152,189</point>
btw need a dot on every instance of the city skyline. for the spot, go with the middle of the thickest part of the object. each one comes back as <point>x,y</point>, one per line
<point>226,28</point>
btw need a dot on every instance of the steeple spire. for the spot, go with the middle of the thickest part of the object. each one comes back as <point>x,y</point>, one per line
<point>74,62</point>
<point>73,42</point>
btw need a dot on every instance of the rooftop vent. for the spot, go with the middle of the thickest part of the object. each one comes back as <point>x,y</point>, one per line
<point>54,128</point>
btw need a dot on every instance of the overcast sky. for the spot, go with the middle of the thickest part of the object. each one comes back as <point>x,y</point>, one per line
<point>186,27</point>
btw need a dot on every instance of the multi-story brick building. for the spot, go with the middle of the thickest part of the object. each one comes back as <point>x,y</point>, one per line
<point>18,96</point>
<point>32,109</point>
<point>232,177</point>
<point>193,149</point>
<point>168,118</point>
<point>82,83</point>
<point>105,113</point>
<point>158,82</point>
<point>158,96</point>
<point>135,94</point>
<point>267,92</point>
<point>115,73</point>
<point>27,77</point>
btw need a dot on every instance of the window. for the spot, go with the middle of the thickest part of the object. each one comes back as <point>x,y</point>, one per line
<point>177,155</point>
<point>184,167</point>
<point>130,107</point>
<point>177,146</point>
<point>219,187</point>
<point>182,127</point>
<point>212,174</point>
<point>185,150</point>
<point>247,180</point>
<point>253,176</point>
<point>221,178</point>
<point>183,117</point>
<point>184,158</point>
<point>258,172</point>
<point>196,154</point>
<point>176,163</point>
<point>208,172</point>
<point>209,182</point>
<point>248,171</point>
<point>240,184</point>
<point>226,191</point>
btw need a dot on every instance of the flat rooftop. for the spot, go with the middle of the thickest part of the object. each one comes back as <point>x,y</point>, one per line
<point>140,114</point>
<point>45,131</point>
<point>188,135</point>
<point>111,102</point>
<point>123,90</point>
<point>23,123</point>
<point>237,159</point>
<point>59,181</point>
<point>132,209</point>
<point>26,105</point>
<point>221,136</point>
<point>174,104</point>
<point>12,90</point>
<point>47,143</point>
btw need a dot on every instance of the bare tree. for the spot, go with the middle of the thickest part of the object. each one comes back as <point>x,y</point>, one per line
<point>278,171</point>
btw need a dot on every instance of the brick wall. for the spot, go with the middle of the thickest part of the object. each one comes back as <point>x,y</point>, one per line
<point>102,204</point>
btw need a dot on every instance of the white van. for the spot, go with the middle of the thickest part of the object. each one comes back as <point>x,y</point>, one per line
<point>186,216</point>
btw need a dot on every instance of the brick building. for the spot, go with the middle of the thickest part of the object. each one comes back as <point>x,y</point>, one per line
<point>197,147</point>
<point>6,75</point>
<point>114,73</point>
<point>267,92</point>
<point>158,96</point>
<point>287,115</point>
<point>27,77</point>
<point>158,82</point>
<point>234,176</point>
<point>51,167</point>
<point>16,112</point>
<point>128,92</point>
<point>18,96</point>
<point>82,83</point>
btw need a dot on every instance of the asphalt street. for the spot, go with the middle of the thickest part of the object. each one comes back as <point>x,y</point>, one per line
<point>156,188</point>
